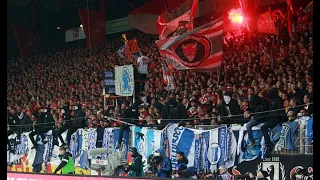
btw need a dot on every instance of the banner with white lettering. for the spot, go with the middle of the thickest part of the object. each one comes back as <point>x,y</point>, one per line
<point>180,140</point>
<point>124,80</point>
<point>108,82</point>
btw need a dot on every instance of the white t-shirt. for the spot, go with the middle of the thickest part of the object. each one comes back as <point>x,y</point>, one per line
<point>143,64</point>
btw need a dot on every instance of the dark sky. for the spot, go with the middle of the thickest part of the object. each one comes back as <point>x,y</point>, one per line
<point>53,13</point>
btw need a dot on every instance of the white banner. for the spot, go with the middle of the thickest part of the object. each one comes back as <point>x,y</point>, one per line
<point>74,34</point>
<point>124,80</point>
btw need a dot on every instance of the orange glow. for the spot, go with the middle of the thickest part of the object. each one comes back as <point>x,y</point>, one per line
<point>236,16</point>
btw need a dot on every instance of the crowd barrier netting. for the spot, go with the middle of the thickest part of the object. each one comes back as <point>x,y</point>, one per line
<point>204,146</point>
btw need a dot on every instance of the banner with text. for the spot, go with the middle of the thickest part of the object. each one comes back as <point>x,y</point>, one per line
<point>108,82</point>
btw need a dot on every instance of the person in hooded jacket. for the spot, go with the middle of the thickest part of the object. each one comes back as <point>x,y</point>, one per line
<point>256,105</point>
<point>136,168</point>
<point>229,107</point>
<point>67,123</point>
<point>39,128</point>
<point>75,124</point>
<point>173,110</point>
<point>276,116</point>
<point>166,166</point>
<point>182,168</point>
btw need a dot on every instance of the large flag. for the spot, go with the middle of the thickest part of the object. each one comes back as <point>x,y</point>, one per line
<point>145,17</point>
<point>167,76</point>
<point>130,50</point>
<point>249,154</point>
<point>93,25</point>
<point>266,24</point>
<point>124,80</point>
<point>26,40</point>
<point>165,29</point>
<point>199,49</point>
<point>180,139</point>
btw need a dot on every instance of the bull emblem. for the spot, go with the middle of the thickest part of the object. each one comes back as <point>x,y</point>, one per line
<point>190,51</point>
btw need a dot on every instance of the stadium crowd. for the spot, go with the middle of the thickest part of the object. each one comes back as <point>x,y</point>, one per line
<point>258,73</point>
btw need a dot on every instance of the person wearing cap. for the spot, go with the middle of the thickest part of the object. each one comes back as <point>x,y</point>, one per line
<point>261,175</point>
<point>136,168</point>
<point>229,107</point>
<point>67,164</point>
<point>223,174</point>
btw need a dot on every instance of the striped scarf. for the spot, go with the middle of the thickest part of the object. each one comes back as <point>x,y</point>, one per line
<point>92,139</point>
<point>74,145</point>
<point>105,142</point>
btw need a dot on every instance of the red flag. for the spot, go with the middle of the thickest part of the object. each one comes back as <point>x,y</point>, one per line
<point>133,46</point>
<point>266,24</point>
<point>132,50</point>
<point>93,25</point>
<point>176,25</point>
<point>199,49</point>
<point>26,40</point>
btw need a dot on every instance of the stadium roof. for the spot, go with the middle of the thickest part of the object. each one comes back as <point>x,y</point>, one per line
<point>53,13</point>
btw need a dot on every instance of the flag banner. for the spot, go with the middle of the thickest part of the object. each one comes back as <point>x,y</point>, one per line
<point>74,34</point>
<point>132,50</point>
<point>121,52</point>
<point>133,46</point>
<point>145,17</point>
<point>266,24</point>
<point>26,40</point>
<point>287,135</point>
<point>204,162</point>
<point>204,149</point>
<point>93,25</point>
<point>217,150</point>
<point>124,80</point>
<point>180,24</point>
<point>199,49</point>
<point>108,82</point>
<point>180,139</point>
<point>249,154</point>
<point>147,141</point>
<point>167,76</point>
<point>197,151</point>
<point>125,139</point>
<point>309,130</point>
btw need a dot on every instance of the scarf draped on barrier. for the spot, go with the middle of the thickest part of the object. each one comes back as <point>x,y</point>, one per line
<point>204,149</point>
